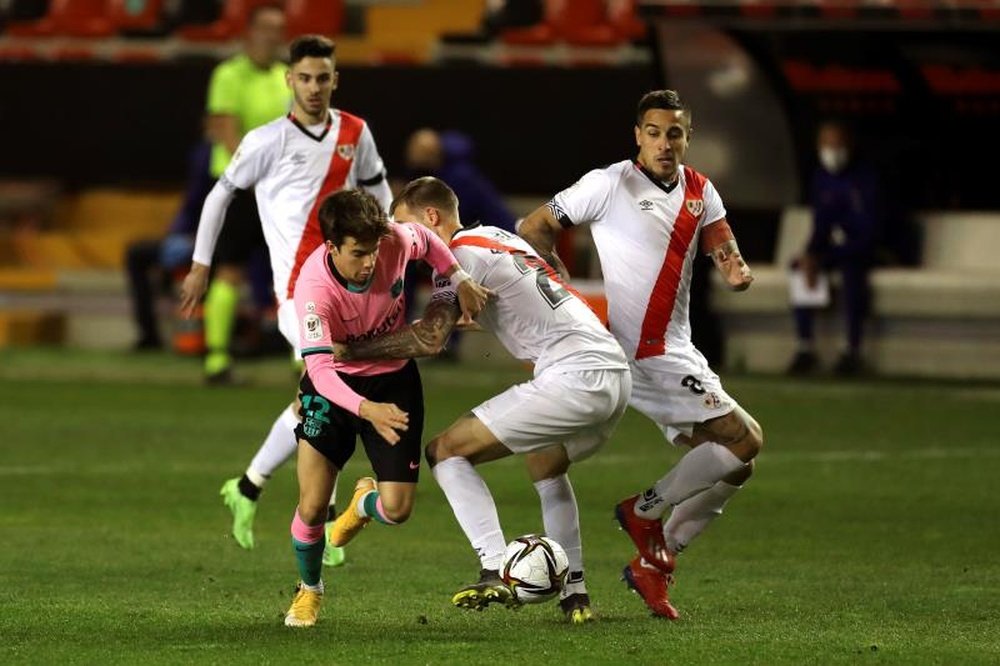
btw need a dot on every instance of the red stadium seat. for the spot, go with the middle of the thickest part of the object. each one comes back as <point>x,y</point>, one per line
<point>229,26</point>
<point>127,15</point>
<point>71,18</point>
<point>324,17</point>
<point>582,23</point>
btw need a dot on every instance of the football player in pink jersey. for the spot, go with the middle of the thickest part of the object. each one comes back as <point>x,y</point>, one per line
<point>351,288</point>
<point>292,163</point>
<point>565,413</point>
<point>649,217</point>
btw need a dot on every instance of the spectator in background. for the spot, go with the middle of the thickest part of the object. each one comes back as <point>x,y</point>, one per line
<point>143,258</point>
<point>245,92</point>
<point>846,208</point>
<point>448,156</point>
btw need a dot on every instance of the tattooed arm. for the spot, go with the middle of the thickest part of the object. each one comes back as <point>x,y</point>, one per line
<point>717,241</point>
<point>426,337</point>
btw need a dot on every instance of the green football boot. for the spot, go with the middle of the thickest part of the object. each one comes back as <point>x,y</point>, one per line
<point>244,510</point>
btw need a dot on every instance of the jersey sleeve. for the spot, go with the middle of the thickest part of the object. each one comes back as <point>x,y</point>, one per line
<point>370,169</point>
<point>585,201</point>
<point>315,314</point>
<point>250,162</point>
<point>471,262</point>
<point>715,210</point>
<point>222,91</point>
<point>424,244</point>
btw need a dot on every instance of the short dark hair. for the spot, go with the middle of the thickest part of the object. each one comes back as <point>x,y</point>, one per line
<point>660,99</point>
<point>426,191</point>
<point>310,46</point>
<point>260,9</point>
<point>353,213</point>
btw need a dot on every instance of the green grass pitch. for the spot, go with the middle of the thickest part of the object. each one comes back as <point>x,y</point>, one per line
<point>869,534</point>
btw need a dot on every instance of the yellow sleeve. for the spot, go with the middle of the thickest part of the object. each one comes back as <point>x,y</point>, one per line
<point>222,91</point>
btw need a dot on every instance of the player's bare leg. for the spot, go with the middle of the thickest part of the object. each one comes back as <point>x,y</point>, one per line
<point>561,519</point>
<point>316,477</point>
<point>452,455</point>
<point>386,502</point>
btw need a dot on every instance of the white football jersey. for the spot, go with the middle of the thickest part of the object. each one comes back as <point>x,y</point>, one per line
<point>646,235</point>
<point>533,313</point>
<point>292,171</point>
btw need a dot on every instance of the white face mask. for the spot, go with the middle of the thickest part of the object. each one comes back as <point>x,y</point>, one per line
<point>833,159</point>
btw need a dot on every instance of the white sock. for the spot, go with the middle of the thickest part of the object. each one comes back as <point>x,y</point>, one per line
<point>474,509</point>
<point>562,519</point>
<point>693,515</point>
<point>314,588</point>
<point>698,470</point>
<point>278,447</point>
<point>333,493</point>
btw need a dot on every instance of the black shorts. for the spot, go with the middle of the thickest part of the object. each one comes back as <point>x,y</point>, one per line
<point>333,431</point>
<point>241,236</point>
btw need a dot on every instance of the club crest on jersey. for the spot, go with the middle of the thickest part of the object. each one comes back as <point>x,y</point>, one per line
<point>645,205</point>
<point>313,327</point>
<point>712,401</point>
<point>346,151</point>
<point>695,206</point>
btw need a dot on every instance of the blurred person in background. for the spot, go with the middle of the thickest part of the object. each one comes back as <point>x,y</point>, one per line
<point>846,208</point>
<point>449,156</point>
<point>146,257</point>
<point>245,92</point>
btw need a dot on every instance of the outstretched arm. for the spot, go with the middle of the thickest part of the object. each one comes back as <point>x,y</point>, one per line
<point>540,229</point>
<point>426,337</point>
<point>717,241</point>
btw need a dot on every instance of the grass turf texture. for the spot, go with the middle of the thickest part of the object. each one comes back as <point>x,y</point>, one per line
<point>868,535</point>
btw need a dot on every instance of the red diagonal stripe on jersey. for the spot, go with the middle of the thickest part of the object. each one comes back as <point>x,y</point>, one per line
<point>659,310</point>
<point>336,176</point>
<point>490,244</point>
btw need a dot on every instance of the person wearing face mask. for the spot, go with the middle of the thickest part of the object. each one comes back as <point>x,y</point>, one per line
<point>846,220</point>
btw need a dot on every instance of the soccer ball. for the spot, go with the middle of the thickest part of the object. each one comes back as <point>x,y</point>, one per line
<point>534,567</point>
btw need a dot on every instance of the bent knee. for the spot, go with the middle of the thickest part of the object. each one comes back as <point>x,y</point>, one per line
<point>398,512</point>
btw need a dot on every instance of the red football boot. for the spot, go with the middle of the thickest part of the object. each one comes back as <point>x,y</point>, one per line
<point>646,534</point>
<point>652,585</point>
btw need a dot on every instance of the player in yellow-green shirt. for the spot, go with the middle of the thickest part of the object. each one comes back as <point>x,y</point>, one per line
<point>245,92</point>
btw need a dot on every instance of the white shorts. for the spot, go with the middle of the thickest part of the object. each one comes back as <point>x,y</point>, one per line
<point>678,391</point>
<point>578,409</point>
<point>288,324</point>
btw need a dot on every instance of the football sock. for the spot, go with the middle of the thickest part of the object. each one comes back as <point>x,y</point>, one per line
<point>370,505</point>
<point>278,446</point>
<point>574,584</point>
<point>308,544</point>
<point>561,518</point>
<point>249,489</point>
<point>693,515</point>
<point>332,511</point>
<point>220,315</point>
<point>474,509</point>
<point>698,470</point>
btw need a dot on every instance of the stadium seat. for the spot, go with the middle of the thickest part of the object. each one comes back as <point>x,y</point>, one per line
<point>325,17</point>
<point>138,18</point>
<point>70,18</point>
<point>581,23</point>
<point>228,26</point>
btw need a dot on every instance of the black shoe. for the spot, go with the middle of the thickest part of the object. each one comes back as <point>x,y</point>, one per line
<point>576,608</point>
<point>488,590</point>
<point>804,363</point>
<point>221,378</point>
<point>147,344</point>
<point>849,365</point>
